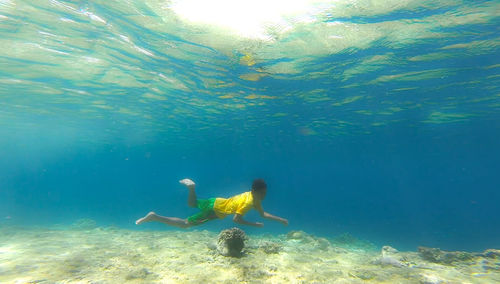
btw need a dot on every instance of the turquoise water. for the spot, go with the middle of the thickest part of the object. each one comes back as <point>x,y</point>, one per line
<point>375,118</point>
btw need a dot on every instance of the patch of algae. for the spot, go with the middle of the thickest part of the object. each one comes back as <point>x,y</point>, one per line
<point>112,255</point>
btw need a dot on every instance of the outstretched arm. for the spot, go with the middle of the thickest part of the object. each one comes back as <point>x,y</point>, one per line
<point>266,215</point>
<point>239,219</point>
<point>275,218</point>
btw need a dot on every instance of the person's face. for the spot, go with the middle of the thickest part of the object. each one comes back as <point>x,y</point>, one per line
<point>261,194</point>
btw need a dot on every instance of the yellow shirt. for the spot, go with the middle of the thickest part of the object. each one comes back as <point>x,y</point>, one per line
<point>238,204</point>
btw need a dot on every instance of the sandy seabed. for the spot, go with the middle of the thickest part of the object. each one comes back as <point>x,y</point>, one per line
<point>113,255</point>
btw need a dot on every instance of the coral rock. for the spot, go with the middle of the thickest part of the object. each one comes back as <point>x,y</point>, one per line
<point>388,250</point>
<point>231,242</point>
<point>491,253</point>
<point>438,256</point>
<point>271,247</point>
<point>390,261</point>
<point>297,235</point>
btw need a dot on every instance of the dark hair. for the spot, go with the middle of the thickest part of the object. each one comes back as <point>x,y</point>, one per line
<point>259,185</point>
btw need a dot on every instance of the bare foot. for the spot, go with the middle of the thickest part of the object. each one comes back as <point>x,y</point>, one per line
<point>188,183</point>
<point>147,218</point>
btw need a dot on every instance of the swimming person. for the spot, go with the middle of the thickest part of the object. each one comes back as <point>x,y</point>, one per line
<point>214,208</point>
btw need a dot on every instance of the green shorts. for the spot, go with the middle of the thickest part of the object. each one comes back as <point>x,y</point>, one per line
<point>206,213</point>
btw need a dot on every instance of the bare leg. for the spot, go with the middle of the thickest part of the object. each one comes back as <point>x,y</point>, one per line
<point>172,221</point>
<point>192,200</point>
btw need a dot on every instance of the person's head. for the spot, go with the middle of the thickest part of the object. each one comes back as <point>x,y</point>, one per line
<point>259,189</point>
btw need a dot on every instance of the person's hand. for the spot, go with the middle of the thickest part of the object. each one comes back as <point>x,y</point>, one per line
<point>284,222</point>
<point>258,224</point>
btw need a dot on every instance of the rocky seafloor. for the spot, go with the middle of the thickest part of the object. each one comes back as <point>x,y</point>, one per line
<point>113,255</point>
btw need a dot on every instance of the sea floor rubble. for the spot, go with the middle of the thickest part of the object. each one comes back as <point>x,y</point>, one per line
<point>113,255</point>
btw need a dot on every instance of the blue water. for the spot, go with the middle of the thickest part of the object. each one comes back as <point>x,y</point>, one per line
<point>387,131</point>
